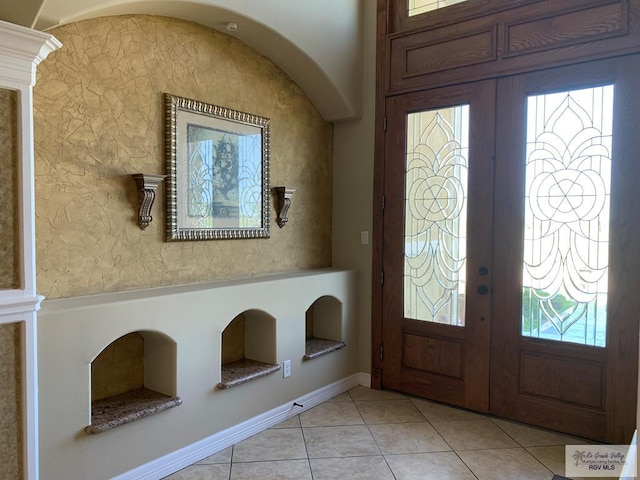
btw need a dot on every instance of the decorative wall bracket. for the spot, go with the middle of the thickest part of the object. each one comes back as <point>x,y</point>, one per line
<point>147,184</point>
<point>284,195</point>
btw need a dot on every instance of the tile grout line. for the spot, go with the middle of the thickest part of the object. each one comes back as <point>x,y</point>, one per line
<point>523,446</point>
<point>454,451</point>
<point>445,441</point>
<point>233,448</point>
<point>376,442</point>
<point>386,462</point>
<point>306,449</point>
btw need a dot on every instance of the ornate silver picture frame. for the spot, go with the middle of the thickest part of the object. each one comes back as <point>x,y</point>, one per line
<point>217,168</point>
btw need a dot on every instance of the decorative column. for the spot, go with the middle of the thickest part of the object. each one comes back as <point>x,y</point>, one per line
<point>21,50</point>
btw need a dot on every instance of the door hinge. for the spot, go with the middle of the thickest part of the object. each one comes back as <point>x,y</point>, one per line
<point>384,124</point>
<point>381,352</point>
<point>383,200</point>
<point>382,277</point>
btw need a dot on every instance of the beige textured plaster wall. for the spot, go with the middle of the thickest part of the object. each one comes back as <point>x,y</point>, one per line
<point>99,118</point>
<point>9,236</point>
<point>10,403</point>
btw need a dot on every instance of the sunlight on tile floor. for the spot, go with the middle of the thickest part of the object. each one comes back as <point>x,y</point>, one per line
<point>376,435</point>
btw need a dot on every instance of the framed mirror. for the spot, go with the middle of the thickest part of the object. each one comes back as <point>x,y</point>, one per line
<point>217,168</point>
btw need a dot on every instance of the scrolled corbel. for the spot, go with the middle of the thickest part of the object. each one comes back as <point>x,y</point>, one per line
<point>147,184</point>
<point>284,195</point>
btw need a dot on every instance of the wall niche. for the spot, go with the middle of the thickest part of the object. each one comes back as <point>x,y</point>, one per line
<point>323,327</point>
<point>248,348</point>
<point>132,378</point>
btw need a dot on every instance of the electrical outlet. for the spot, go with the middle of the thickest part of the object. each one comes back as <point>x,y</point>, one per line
<point>286,369</point>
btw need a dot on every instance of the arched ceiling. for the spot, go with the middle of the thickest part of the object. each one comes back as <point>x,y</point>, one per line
<point>318,43</point>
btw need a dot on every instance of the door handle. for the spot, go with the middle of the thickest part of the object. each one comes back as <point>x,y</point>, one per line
<point>483,290</point>
<point>483,271</point>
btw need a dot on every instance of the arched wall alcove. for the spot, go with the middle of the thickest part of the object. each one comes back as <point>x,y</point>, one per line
<point>131,378</point>
<point>323,327</point>
<point>137,359</point>
<point>248,348</point>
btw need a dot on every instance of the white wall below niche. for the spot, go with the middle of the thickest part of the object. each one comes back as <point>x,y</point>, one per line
<point>73,331</point>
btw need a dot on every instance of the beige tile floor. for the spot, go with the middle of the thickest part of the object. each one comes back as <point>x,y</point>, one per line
<point>376,435</point>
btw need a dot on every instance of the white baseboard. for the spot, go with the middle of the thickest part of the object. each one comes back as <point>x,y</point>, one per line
<point>365,379</point>
<point>179,459</point>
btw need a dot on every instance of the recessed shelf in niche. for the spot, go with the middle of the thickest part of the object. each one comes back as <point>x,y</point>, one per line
<point>132,378</point>
<point>128,407</point>
<point>248,349</point>
<point>323,328</point>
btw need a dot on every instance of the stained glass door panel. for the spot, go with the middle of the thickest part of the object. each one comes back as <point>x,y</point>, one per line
<point>566,235</point>
<point>435,227</point>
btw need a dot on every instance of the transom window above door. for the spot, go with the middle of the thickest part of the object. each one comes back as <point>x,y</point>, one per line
<point>416,7</point>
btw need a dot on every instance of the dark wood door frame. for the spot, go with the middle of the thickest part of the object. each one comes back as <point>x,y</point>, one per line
<point>510,40</point>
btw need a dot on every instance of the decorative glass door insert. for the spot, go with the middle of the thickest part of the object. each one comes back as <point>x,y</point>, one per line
<point>435,231</point>
<point>566,237</point>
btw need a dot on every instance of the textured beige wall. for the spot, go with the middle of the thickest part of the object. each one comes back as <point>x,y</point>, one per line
<point>10,404</point>
<point>353,201</point>
<point>9,236</point>
<point>10,372</point>
<point>99,118</point>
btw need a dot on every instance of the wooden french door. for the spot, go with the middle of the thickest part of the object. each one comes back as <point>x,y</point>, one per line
<point>437,243</point>
<point>576,370</point>
<point>511,230</point>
